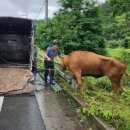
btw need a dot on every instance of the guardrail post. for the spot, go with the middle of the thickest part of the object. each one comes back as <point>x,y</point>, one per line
<point>74,84</point>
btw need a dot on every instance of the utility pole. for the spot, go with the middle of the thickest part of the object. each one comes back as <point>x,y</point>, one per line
<point>26,9</point>
<point>46,10</point>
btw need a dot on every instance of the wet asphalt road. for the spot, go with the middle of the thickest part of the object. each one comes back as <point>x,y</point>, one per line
<point>21,113</point>
<point>44,111</point>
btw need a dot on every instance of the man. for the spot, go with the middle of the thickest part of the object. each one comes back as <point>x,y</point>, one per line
<point>52,43</point>
<point>50,54</point>
<point>34,58</point>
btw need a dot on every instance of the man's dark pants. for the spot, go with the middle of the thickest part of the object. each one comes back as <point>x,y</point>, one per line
<point>49,67</point>
<point>34,66</point>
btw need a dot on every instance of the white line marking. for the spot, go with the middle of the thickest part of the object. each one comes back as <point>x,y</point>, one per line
<point>1,102</point>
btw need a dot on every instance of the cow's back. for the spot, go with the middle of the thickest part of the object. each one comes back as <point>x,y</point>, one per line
<point>92,64</point>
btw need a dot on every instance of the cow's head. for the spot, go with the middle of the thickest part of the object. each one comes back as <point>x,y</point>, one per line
<point>64,63</point>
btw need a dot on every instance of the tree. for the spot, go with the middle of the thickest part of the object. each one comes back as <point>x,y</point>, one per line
<point>89,33</point>
<point>77,25</point>
<point>119,6</point>
<point>116,21</point>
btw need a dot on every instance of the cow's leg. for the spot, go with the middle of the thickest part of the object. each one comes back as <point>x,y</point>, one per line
<point>117,88</point>
<point>115,76</point>
<point>79,80</point>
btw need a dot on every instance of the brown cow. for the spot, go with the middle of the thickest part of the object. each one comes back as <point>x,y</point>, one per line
<point>85,63</point>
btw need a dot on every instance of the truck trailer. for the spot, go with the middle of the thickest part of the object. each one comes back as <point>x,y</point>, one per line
<point>16,39</point>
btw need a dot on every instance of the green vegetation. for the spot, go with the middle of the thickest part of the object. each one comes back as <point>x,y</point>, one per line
<point>117,52</point>
<point>102,104</point>
<point>39,61</point>
<point>121,54</point>
<point>116,23</point>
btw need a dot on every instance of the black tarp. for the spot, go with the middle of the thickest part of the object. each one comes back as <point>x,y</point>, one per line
<point>10,25</point>
<point>15,40</point>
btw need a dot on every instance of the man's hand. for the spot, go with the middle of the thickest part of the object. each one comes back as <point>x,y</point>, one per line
<point>49,59</point>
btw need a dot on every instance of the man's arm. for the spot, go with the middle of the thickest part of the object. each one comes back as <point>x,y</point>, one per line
<point>46,56</point>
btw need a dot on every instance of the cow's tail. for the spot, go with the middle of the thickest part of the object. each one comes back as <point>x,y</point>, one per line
<point>127,74</point>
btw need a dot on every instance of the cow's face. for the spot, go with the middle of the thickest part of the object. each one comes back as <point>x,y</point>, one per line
<point>64,62</point>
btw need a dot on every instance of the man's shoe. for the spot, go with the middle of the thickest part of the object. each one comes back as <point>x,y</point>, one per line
<point>46,84</point>
<point>52,83</point>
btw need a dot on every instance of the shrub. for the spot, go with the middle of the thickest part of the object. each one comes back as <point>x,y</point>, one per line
<point>104,83</point>
<point>125,58</point>
<point>126,43</point>
<point>113,44</point>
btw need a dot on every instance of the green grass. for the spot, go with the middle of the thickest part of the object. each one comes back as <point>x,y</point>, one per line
<point>121,54</point>
<point>116,52</point>
<point>102,104</point>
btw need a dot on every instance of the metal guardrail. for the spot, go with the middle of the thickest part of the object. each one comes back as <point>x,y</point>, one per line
<point>63,75</point>
<point>56,88</point>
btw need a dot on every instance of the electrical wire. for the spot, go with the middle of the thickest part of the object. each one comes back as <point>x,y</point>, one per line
<point>40,10</point>
<point>26,8</point>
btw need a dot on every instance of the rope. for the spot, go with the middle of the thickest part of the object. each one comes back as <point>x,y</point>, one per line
<point>46,60</point>
<point>23,64</point>
<point>12,62</point>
